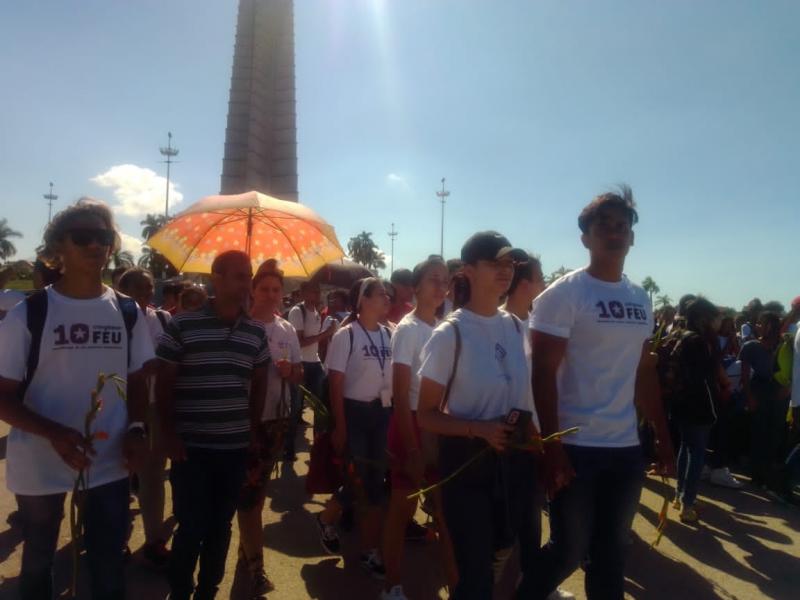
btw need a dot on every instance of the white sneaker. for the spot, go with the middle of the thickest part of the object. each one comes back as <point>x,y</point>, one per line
<point>559,594</point>
<point>723,477</point>
<point>705,474</point>
<point>396,593</point>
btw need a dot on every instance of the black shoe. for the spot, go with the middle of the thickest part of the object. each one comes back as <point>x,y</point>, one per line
<point>14,519</point>
<point>261,584</point>
<point>156,554</point>
<point>416,532</point>
<point>328,537</point>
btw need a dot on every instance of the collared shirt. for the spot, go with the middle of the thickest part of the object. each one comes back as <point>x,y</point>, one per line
<point>215,366</point>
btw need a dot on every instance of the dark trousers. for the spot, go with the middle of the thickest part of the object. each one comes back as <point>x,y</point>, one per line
<point>591,517</point>
<point>105,522</point>
<point>487,507</point>
<point>769,431</point>
<point>313,376</point>
<point>691,457</point>
<point>205,491</point>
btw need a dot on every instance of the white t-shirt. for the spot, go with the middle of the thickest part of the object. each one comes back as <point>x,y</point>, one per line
<point>796,371</point>
<point>368,367</point>
<point>283,345</point>
<point>80,340</point>
<point>606,324</point>
<point>10,298</point>
<point>310,326</point>
<point>492,374</point>
<point>408,339</point>
<point>154,323</point>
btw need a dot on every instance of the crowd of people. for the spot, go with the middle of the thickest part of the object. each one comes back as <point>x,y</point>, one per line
<point>467,384</point>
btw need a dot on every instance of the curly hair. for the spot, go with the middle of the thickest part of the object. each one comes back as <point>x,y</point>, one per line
<point>65,219</point>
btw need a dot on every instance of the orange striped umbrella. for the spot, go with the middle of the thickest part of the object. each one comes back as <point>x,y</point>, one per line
<point>259,225</point>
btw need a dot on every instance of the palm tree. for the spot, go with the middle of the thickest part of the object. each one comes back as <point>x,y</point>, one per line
<point>151,224</point>
<point>122,258</point>
<point>663,301</point>
<point>7,249</point>
<point>651,287</point>
<point>154,261</point>
<point>363,250</point>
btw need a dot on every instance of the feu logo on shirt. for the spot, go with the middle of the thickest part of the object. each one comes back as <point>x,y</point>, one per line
<point>616,311</point>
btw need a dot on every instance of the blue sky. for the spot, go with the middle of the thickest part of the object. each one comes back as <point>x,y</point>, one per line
<point>528,108</point>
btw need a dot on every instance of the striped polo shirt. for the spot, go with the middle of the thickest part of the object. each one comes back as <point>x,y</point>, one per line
<point>215,365</point>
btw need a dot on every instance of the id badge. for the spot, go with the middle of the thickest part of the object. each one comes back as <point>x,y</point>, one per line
<point>386,397</point>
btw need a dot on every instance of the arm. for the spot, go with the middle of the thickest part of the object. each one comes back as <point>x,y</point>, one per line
<point>336,394</point>
<point>165,402</point>
<point>647,397</point>
<point>70,444</point>
<point>314,339</point>
<point>258,393</point>
<point>134,445</point>
<point>550,351</point>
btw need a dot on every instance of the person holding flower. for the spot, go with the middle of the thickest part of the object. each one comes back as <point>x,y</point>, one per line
<point>475,393</point>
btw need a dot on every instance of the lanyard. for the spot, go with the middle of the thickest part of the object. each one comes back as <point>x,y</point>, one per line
<point>379,352</point>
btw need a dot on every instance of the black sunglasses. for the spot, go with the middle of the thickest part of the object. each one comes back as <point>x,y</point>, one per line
<point>83,236</point>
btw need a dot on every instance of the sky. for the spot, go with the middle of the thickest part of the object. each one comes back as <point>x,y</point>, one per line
<point>528,108</point>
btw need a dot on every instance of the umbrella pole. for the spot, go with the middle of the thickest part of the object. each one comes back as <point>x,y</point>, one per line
<point>249,239</point>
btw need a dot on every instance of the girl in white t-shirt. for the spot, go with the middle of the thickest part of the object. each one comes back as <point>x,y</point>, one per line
<point>360,376</point>
<point>411,454</point>
<point>474,382</point>
<point>284,369</point>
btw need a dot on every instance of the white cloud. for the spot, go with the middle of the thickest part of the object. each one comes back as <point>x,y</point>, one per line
<point>137,191</point>
<point>131,244</point>
<point>397,180</point>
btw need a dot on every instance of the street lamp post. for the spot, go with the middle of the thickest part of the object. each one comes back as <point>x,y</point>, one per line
<point>170,153</point>
<point>50,197</point>
<point>392,235</point>
<point>443,194</point>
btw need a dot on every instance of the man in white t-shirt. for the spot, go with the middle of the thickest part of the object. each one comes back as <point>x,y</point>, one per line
<point>82,331</point>
<point>306,320</point>
<point>590,332</point>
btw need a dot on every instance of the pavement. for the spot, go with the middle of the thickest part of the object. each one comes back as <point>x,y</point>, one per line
<point>746,547</point>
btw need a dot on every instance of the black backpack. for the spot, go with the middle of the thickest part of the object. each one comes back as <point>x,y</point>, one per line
<point>36,305</point>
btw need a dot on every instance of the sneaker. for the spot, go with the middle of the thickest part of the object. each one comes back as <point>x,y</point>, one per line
<point>14,519</point>
<point>261,584</point>
<point>559,594</point>
<point>416,532</point>
<point>724,478</point>
<point>373,564</point>
<point>396,593</point>
<point>705,474</point>
<point>328,537</point>
<point>689,515</point>
<point>156,554</point>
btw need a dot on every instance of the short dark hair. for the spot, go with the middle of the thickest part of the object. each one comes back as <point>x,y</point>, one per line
<point>454,265</point>
<point>623,200</point>
<point>173,286</point>
<point>524,270</point>
<point>223,261</point>
<point>402,277</point>
<point>118,271</point>
<point>132,277</point>
<point>263,273</point>
<point>771,319</point>
<point>371,284</point>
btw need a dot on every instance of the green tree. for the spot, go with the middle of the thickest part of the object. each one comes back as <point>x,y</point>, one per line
<point>663,301</point>
<point>650,286</point>
<point>151,224</point>
<point>122,258</point>
<point>363,250</point>
<point>557,274</point>
<point>156,263</point>
<point>7,249</point>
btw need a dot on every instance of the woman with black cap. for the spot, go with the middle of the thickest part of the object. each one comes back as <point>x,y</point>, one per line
<point>475,392</point>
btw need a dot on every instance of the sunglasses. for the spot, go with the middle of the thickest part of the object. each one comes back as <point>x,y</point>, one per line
<point>83,236</point>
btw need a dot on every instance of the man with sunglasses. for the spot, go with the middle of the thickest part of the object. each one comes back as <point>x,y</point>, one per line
<point>83,335</point>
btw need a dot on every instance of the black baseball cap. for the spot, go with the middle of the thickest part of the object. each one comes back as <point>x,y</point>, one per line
<point>488,245</point>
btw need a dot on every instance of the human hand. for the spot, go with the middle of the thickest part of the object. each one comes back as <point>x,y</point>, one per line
<point>557,469</point>
<point>73,448</point>
<point>496,433</point>
<point>284,368</point>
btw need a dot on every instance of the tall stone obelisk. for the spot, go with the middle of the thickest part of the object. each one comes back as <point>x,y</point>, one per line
<point>261,134</point>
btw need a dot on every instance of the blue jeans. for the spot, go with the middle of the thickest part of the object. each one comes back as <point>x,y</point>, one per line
<point>487,507</point>
<point>106,524</point>
<point>591,517</point>
<point>205,492</point>
<point>691,457</point>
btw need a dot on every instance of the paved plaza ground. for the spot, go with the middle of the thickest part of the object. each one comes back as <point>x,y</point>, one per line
<point>747,547</point>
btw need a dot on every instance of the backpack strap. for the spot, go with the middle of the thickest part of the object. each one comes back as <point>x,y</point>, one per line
<point>161,318</point>
<point>36,308</point>
<point>517,322</point>
<point>456,356</point>
<point>350,335</point>
<point>130,312</point>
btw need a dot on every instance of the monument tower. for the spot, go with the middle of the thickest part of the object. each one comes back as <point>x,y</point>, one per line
<point>261,134</point>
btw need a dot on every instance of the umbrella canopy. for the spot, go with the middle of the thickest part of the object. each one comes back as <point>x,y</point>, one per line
<point>261,226</point>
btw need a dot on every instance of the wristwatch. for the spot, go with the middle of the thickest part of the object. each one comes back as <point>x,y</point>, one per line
<point>138,427</point>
